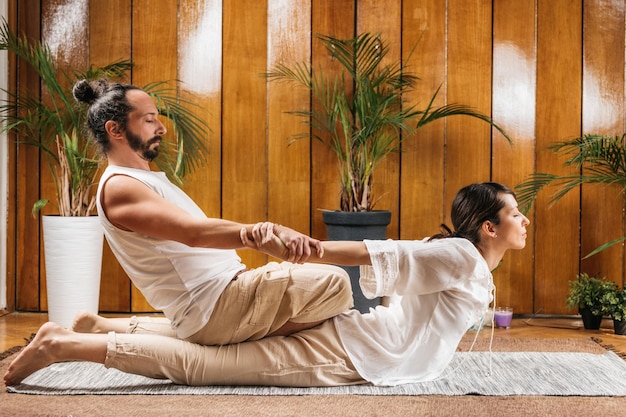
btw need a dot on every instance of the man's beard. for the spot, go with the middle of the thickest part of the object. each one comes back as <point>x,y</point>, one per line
<point>143,148</point>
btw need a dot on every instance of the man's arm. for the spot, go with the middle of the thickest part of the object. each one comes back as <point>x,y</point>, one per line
<point>131,205</point>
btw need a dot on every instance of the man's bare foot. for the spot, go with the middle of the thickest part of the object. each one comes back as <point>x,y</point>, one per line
<point>39,353</point>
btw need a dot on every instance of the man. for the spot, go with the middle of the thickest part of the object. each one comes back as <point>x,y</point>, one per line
<point>183,262</point>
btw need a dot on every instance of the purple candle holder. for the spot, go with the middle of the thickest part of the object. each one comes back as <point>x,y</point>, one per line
<point>503,317</point>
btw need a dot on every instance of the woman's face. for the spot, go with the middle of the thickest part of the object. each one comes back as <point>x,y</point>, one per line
<point>511,231</point>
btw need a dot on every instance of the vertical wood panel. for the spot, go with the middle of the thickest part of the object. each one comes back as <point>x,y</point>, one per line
<point>200,70</point>
<point>28,270</point>
<point>109,32</point>
<point>384,18</point>
<point>468,141</point>
<point>422,179</point>
<point>11,241</point>
<point>559,56</point>
<point>336,18</point>
<point>244,122</point>
<point>289,167</point>
<point>28,171</point>
<point>65,29</point>
<point>603,113</point>
<point>154,34</point>
<point>514,88</point>
<point>110,41</point>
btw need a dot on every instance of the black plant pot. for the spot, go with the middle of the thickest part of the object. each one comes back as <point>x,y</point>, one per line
<point>619,326</point>
<point>590,320</point>
<point>341,225</point>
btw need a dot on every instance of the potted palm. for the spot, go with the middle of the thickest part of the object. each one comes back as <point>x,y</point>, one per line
<point>55,125</point>
<point>598,159</point>
<point>362,115</point>
<point>586,294</point>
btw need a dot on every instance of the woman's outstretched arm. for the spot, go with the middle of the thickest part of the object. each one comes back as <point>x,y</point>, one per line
<point>341,252</point>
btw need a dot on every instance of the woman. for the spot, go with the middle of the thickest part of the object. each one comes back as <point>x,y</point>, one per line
<point>444,285</point>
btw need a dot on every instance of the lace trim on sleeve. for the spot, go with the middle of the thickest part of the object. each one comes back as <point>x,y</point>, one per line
<point>378,279</point>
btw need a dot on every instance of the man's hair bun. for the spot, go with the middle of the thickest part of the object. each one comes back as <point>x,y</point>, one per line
<point>87,92</point>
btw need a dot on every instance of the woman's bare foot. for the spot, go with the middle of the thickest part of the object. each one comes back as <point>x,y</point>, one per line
<point>39,353</point>
<point>87,322</point>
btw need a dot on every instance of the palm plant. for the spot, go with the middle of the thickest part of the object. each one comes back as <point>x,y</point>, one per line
<point>596,158</point>
<point>55,124</point>
<point>361,114</point>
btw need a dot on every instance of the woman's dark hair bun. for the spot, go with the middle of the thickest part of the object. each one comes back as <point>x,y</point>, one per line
<point>87,92</point>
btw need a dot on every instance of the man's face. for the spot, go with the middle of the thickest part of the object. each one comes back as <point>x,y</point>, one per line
<point>144,129</point>
<point>148,150</point>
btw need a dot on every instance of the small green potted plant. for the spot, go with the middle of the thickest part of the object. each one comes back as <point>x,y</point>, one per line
<point>614,305</point>
<point>586,294</point>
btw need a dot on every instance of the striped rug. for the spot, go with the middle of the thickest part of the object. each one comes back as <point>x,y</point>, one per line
<point>470,373</point>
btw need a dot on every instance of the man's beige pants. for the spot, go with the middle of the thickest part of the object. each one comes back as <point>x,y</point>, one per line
<point>254,305</point>
<point>309,358</point>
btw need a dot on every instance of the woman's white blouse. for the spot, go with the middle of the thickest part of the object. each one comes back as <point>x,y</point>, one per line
<point>444,287</point>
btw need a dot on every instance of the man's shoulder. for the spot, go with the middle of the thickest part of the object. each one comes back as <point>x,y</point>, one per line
<point>131,176</point>
<point>121,180</point>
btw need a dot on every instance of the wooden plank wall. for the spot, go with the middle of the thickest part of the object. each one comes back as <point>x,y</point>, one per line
<point>546,70</point>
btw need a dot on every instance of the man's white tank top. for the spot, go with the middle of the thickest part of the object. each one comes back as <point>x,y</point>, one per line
<point>182,281</point>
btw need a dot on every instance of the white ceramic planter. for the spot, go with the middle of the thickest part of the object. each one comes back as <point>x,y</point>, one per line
<point>73,256</point>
